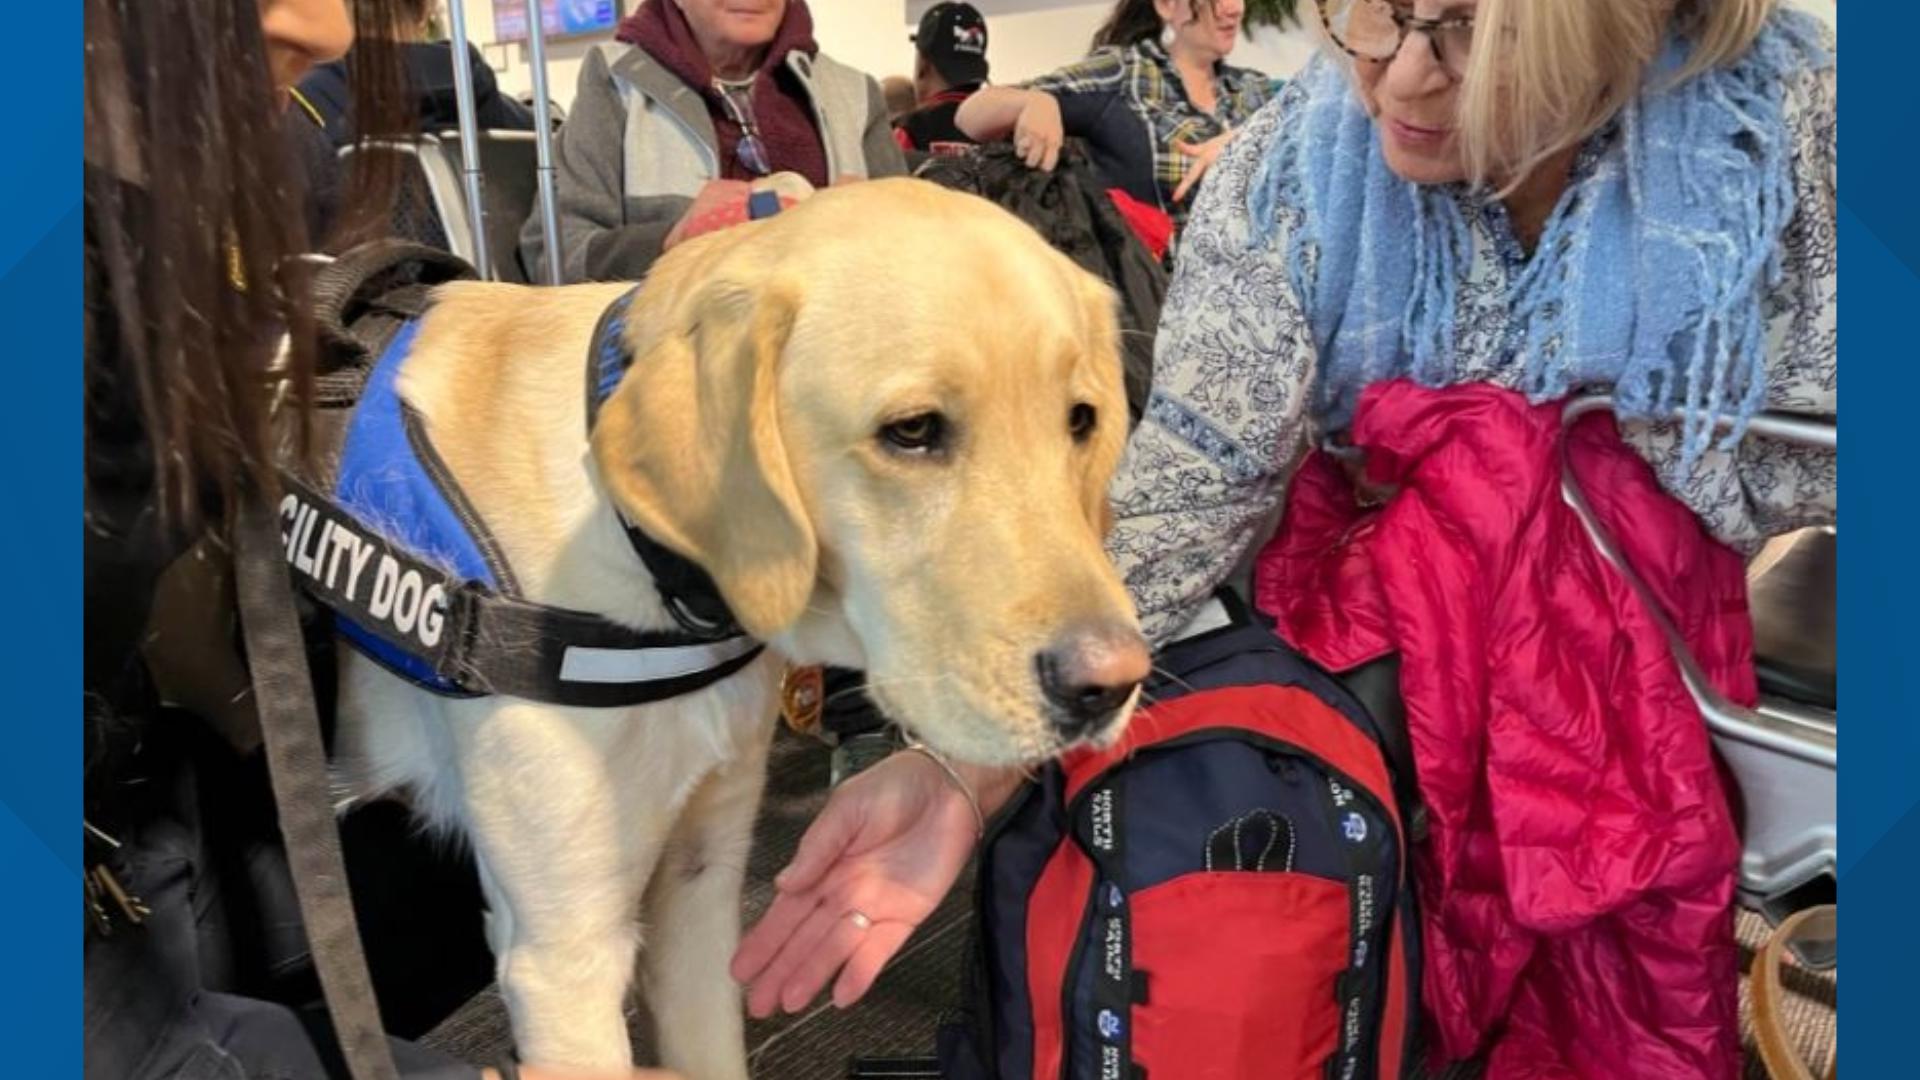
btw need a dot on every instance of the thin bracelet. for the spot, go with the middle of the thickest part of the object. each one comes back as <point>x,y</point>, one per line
<point>973,801</point>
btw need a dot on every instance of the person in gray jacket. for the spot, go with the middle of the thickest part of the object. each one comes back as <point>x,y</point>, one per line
<point>693,101</point>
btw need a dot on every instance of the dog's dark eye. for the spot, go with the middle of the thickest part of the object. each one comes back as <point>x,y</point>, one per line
<point>1081,420</point>
<point>923,433</point>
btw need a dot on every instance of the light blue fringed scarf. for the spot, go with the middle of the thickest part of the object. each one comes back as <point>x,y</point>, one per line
<point>1649,278</point>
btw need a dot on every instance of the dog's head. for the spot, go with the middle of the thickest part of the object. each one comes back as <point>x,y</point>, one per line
<point>884,422</point>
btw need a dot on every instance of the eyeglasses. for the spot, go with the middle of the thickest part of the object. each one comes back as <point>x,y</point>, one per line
<point>1376,29</point>
<point>750,151</point>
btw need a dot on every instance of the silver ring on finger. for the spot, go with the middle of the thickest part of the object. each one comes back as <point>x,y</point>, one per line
<point>859,920</point>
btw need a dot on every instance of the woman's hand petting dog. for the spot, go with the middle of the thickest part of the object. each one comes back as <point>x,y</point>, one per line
<point>871,867</point>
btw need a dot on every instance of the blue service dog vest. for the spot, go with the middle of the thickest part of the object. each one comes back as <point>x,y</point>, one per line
<point>418,583</point>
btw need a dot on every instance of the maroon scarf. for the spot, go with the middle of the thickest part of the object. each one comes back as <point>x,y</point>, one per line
<point>781,111</point>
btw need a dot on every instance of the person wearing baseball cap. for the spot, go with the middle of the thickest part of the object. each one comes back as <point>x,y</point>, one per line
<point>949,65</point>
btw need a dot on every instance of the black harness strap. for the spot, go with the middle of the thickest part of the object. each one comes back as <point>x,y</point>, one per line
<point>688,592</point>
<point>361,299</point>
<point>484,642</point>
<point>589,660</point>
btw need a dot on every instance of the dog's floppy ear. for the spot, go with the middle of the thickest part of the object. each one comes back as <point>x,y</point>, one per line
<point>690,448</point>
<point>1101,346</point>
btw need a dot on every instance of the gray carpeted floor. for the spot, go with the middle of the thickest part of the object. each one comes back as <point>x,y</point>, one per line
<point>900,1015</point>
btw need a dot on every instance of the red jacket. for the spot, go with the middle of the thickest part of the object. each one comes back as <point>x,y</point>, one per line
<point>1577,880</point>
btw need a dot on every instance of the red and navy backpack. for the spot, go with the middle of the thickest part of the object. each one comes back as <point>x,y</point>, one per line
<point>1223,895</point>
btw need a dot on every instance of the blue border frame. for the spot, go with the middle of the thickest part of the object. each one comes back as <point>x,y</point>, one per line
<point>40,246</point>
<point>1880,789</point>
<point>40,259</point>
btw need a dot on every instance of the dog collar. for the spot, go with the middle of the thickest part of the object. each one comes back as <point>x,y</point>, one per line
<point>687,591</point>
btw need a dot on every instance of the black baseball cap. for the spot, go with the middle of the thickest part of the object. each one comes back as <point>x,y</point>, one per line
<point>953,38</point>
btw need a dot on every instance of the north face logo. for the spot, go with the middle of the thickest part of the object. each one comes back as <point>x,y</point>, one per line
<point>1103,819</point>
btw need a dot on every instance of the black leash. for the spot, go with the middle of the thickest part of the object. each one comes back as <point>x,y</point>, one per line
<point>297,762</point>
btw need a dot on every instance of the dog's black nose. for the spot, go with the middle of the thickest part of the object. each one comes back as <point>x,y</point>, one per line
<point>1088,674</point>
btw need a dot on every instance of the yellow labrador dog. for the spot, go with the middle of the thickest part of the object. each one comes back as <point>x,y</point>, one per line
<point>879,468</point>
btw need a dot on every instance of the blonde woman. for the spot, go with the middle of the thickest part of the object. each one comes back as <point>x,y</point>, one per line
<point>1463,212</point>
<point>1486,192</point>
<point>1459,214</point>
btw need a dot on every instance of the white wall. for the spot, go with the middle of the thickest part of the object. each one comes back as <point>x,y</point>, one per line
<point>1024,38</point>
<point>868,34</point>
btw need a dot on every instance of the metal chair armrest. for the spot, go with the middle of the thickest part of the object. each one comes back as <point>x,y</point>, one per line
<point>1806,733</point>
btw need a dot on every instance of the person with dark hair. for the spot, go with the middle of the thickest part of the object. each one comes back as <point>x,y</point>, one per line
<point>675,120</point>
<point>195,966</point>
<point>1155,102</point>
<point>430,75</point>
<point>950,65</point>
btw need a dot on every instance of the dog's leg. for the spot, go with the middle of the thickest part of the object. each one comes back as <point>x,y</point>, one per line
<point>565,845</point>
<point>693,915</point>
